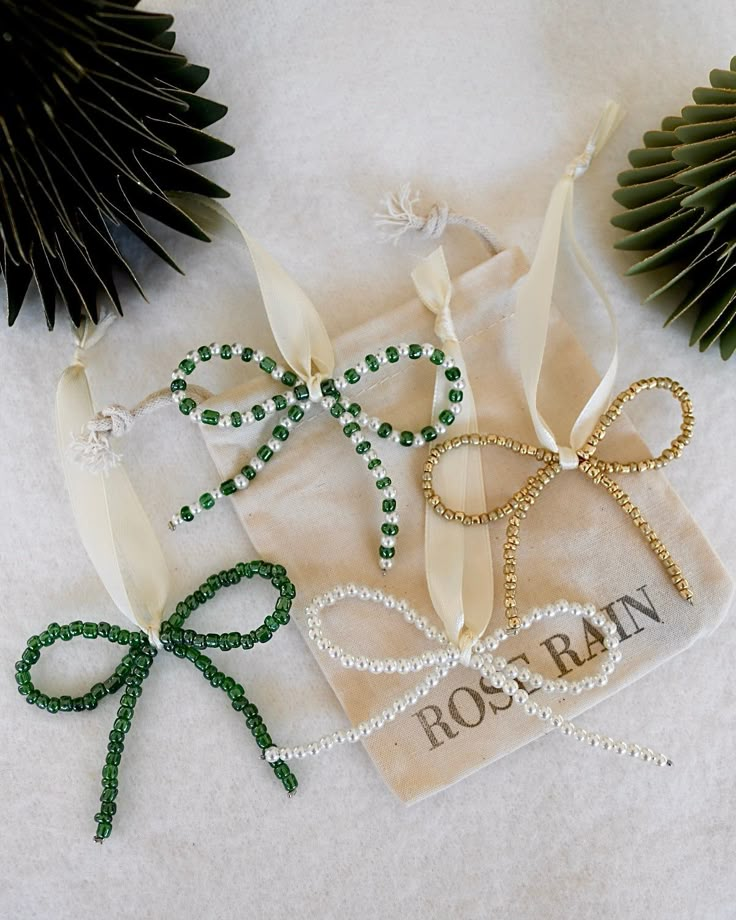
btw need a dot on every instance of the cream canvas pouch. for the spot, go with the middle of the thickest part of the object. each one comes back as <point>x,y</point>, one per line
<point>312,507</point>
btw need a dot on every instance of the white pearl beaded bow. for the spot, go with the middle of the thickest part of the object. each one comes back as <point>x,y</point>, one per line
<point>507,678</point>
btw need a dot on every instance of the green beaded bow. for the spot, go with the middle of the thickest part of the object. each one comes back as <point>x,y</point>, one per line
<point>136,664</point>
<point>293,403</point>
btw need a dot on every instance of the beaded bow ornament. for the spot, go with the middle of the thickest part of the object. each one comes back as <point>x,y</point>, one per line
<point>585,460</point>
<point>294,402</point>
<point>479,656</point>
<point>129,675</point>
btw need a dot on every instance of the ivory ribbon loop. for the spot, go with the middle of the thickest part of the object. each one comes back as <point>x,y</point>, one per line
<point>295,323</point>
<point>112,524</point>
<point>535,299</point>
<point>459,564</point>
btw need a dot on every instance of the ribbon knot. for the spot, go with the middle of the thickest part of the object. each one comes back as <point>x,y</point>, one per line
<point>134,667</point>
<point>554,462</point>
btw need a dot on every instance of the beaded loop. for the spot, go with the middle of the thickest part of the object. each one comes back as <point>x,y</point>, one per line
<point>136,663</point>
<point>296,401</point>
<point>502,675</point>
<point>518,506</point>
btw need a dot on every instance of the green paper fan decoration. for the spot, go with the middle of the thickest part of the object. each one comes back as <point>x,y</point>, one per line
<point>681,200</point>
<point>99,121</point>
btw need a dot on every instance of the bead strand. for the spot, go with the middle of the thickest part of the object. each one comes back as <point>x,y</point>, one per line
<point>501,674</point>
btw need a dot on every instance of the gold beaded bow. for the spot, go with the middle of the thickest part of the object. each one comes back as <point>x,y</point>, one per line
<point>518,506</point>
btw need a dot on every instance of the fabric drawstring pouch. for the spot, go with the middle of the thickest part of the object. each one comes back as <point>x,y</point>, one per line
<point>311,503</point>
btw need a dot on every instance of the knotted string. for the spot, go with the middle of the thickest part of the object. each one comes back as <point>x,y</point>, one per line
<point>596,469</point>
<point>136,663</point>
<point>501,674</point>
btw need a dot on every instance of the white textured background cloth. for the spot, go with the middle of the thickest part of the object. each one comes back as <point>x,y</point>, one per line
<point>331,104</point>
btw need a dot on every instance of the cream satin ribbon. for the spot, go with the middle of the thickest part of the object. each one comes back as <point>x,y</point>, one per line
<point>114,528</point>
<point>295,323</point>
<point>535,299</point>
<point>459,565</point>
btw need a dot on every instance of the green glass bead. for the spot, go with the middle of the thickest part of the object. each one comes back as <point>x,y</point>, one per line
<point>217,679</point>
<point>103,629</point>
<point>89,630</point>
<point>455,396</point>
<point>109,772</point>
<point>228,487</point>
<point>42,701</point>
<point>288,590</point>
<point>123,637</point>
<point>53,630</point>
<point>446,417</point>
<point>113,758</point>
<point>213,640</point>
<point>388,505</point>
<point>250,710</point>
<point>109,795</point>
<point>204,352</point>
<point>392,354</point>
<point>113,683</point>
<point>227,683</point>
<point>253,720</point>
<point>34,642</point>
<point>372,362</point>
<point>46,638</point>
<point>263,633</point>
<point>108,808</point>
<point>202,663</point>
<point>363,447</point>
<point>114,631</point>
<point>301,391</point>
<point>271,623</point>
<point>210,417</point>
<point>65,703</point>
<point>264,452</point>
<point>281,769</point>
<point>406,439</point>
<point>89,701</point>
<point>350,429</point>
<point>242,569</point>
<point>98,691</point>
<point>65,633</point>
<point>104,829</point>
<point>178,384</point>
<point>25,689</point>
<point>23,678</point>
<point>226,352</point>
<point>284,603</point>
<point>295,413</point>
<point>121,725</point>
<point>249,472</point>
<point>207,500</point>
<point>246,355</point>
<point>383,483</point>
<point>289,378</point>
<point>31,655</point>
<point>280,402</point>
<point>236,419</point>
<point>265,569</point>
<point>387,552</point>
<point>281,617</point>
<point>210,671</point>
<point>389,529</point>
<point>453,373</point>
<point>214,581</point>
<point>187,365</point>
<point>429,433</point>
<point>33,695</point>
<point>281,433</point>
<point>384,430</point>
<point>290,783</point>
<point>437,356</point>
<point>351,375</point>
<point>235,691</point>
<point>354,409</point>
<point>238,704</point>
<point>248,640</point>
<point>337,410</point>
<point>264,741</point>
<point>115,747</point>
<point>415,351</point>
<point>233,576</point>
<point>267,365</point>
<point>187,405</point>
<point>186,513</point>
<point>76,627</point>
<point>53,704</point>
<point>278,570</point>
<point>115,735</point>
<point>328,387</point>
<point>259,413</point>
